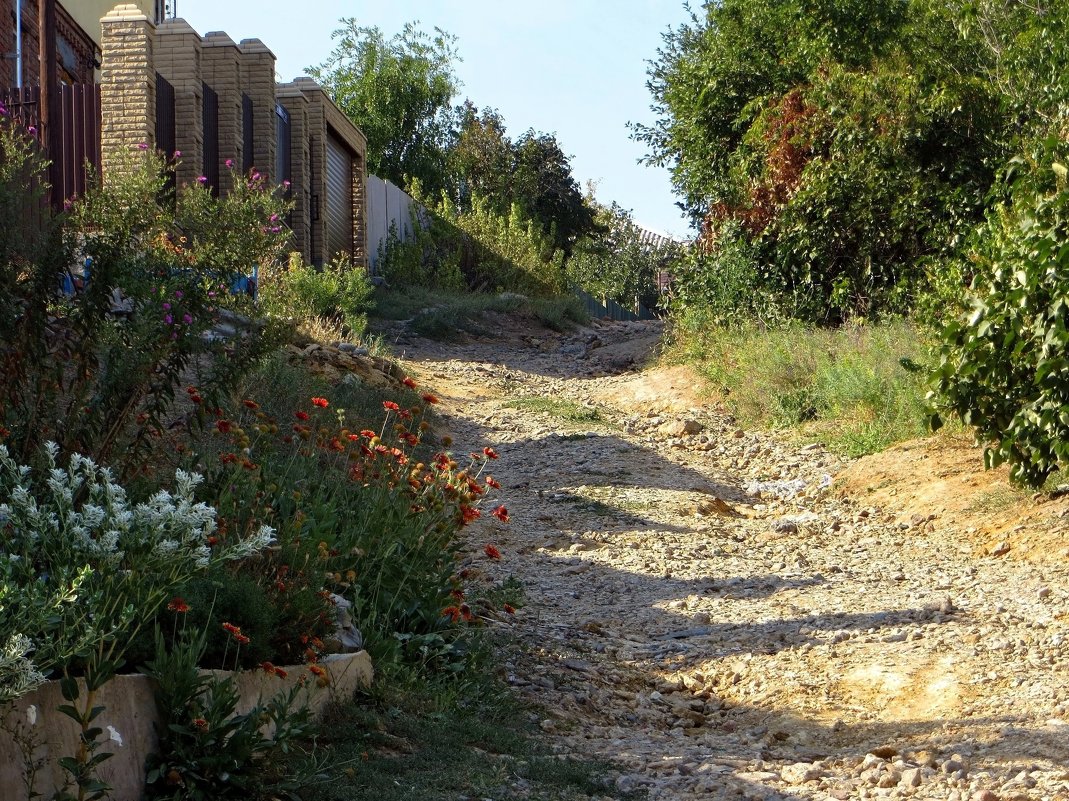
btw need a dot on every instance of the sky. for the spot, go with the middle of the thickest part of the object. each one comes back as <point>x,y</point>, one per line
<point>576,68</point>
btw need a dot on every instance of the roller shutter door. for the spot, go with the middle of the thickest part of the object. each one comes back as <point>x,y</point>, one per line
<point>339,205</point>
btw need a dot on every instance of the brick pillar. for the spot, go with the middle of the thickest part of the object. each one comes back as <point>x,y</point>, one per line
<point>127,85</point>
<point>317,147</point>
<point>258,78</point>
<point>220,62</point>
<point>360,210</point>
<point>294,101</point>
<point>178,53</point>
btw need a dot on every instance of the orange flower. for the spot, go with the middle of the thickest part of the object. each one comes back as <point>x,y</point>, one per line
<point>492,552</point>
<point>322,403</point>
<point>509,608</point>
<point>316,670</point>
<point>390,406</point>
<point>281,673</point>
<point>492,482</point>
<point>367,433</point>
<point>178,605</point>
<point>251,404</point>
<point>501,513</point>
<point>408,382</point>
<point>429,398</point>
<point>489,453</point>
<point>470,513</point>
<point>451,612</point>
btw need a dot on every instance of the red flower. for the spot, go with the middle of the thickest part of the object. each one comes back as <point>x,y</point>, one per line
<point>465,612</point>
<point>322,403</point>
<point>251,404</point>
<point>235,632</point>
<point>491,482</point>
<point>429,398</point>
<point>223,426</point>
<point>316,670</point>
<point>267,667</point>
<point>390,406</point>
<point>408,382</point>
<point>301,415</point>
<point>509,608</point>
<point>200,724</point>
<point>501,513</point>
<point>367,433</point>
<point>492,552</point>
<point>280,673</point>
<point>241,638</point>
<point>178,605</point>
<point>489,453</point>
<point>470,513</point>
<point>451,612</point>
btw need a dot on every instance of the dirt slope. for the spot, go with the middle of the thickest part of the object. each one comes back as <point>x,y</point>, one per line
<point>708,610</point>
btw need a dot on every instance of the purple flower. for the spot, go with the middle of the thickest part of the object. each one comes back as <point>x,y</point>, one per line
<point>142,145</point>
<point>168,319</point>
<point>274,218</point>
<point>285,184</point>
<point>32,130</point>
<point>178,293</point>
<point>174,335</point>
<point>3,110</point>
<point>166,306</point>
<point>187,318</point>
<point>178,154</point>
<point>275,229</point>
<point>211,294</point>
<point>229,163</point>
<point>256,176</point>
<point>202,179</point>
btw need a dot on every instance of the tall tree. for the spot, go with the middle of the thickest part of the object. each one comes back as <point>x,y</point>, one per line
<point>543,185</point>
<point>482,157</point>
<point>399,91</point>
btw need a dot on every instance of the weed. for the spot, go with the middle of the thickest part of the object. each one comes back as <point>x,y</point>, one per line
<point>852,388</point>
<point>445,738</point>
<point>567,410</point>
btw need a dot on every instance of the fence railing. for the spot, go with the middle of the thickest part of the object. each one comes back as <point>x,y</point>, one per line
<point>78,155</point>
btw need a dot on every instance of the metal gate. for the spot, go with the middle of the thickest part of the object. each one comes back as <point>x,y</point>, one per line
<point>339,206</point>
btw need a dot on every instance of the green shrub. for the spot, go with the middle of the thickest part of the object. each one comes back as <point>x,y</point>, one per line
<point>98,371</point>
<point>1003,370</point>
<point>339,291</point>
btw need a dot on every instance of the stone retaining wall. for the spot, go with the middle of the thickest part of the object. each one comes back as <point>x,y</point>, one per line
<point>129,720</point>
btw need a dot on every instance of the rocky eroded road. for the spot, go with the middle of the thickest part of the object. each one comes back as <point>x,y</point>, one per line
<point>706,611</point>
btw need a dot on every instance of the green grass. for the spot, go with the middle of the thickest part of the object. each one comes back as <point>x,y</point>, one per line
<point>444,315</point>
<point>845,387</point>
<point>447,738</point>
<point>566,410</point>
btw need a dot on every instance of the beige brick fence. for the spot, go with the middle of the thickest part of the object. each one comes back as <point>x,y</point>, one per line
<point>227,107</point>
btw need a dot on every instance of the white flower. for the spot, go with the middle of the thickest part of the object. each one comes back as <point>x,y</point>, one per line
<point>114,736</point>
<point>31,714</point>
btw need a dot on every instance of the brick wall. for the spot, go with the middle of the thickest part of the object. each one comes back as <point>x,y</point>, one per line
<point>134,50</point>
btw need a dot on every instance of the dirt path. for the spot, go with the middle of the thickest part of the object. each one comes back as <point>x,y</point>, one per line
<point>707,614</point>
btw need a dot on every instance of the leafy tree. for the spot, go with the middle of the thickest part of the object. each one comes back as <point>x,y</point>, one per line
<point>399,91</point>
<point>482,156</point>
<point>620,261</point>
<point>543,185</point>
<point>846,155</point>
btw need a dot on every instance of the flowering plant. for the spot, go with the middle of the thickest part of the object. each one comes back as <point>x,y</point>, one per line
<point>83,568</point>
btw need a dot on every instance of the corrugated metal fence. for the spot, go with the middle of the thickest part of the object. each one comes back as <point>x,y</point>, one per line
<point>606,307</point>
